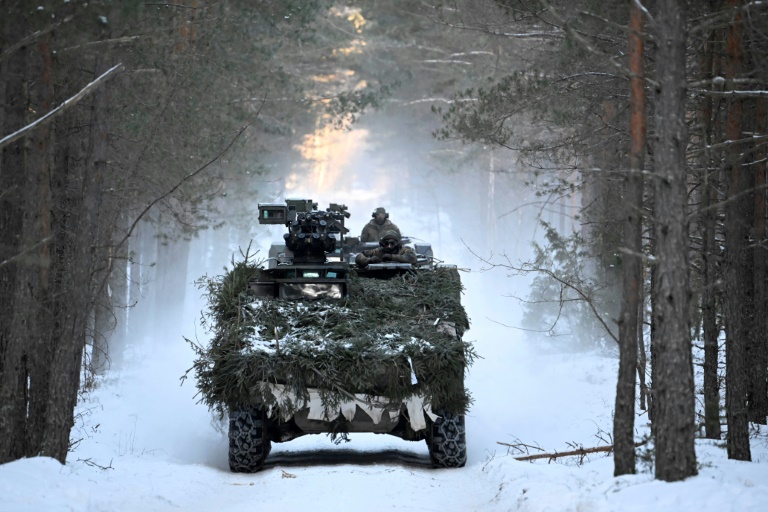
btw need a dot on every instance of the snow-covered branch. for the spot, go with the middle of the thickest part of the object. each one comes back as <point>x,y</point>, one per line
<point>25,251</point>
<point>102,42</point>
<point>61,108</point>
<point>31,37</point>
<point>742,94</point>
<point>446,61</point>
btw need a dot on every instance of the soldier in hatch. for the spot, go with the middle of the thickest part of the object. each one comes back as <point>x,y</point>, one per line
<point>377,226</point>
<point>390,249</point>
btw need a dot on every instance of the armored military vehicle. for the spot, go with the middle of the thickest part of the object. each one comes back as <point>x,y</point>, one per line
<point>306,343</point>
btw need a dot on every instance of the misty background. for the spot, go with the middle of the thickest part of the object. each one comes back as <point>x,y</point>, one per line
<point>472,214</point>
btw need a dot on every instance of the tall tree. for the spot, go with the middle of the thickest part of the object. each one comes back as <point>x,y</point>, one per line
<point>13,177</point>
<point>753,157</point>
<point>632,264</point>
<point>738,267</point>
<point>758,405</point>
<point>38,228</point>
<point>710,249</point>
<point>673,382</point>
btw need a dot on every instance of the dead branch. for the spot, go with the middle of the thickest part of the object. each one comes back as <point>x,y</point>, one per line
<point>90,462</point>
<point>528,267</point>
<point>520,446</point>
<point>175,6</point>
<point>182,181</point>
<point>581,452</point>
<point>24,251</point>
<point>31,37</point>
<point>170,191</point>
<point>60,109</point>
<point>91,44</point>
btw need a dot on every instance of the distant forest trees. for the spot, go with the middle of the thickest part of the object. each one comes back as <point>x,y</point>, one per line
<point>653,113</point>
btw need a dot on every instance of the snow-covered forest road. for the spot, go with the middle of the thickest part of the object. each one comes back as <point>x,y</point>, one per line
<point>143,444</point>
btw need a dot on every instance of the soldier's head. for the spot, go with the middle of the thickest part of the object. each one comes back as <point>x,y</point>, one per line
<point>390,241</point>
<point>380,215</point>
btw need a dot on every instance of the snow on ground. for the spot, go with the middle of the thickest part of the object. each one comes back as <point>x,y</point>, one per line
<point>142,443</point>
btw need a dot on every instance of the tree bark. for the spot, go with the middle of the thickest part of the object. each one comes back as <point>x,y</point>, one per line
<point>653,344</point>
<point>120,302</point>
<point>137,281</point>
<point>711,330</point>
<point>710,254</point>
<point>642,361</point>
<point>75,305</point>
<point>738,280</point>
<point>103,326</point>
<point>673,383</point>
<point>39,227</point>
<point>758,405</point>
<point>13,371</point>
<point>624,416</point>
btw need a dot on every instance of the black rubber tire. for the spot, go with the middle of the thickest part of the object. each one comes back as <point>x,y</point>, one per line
<point>447,441</point>
<point>248,444</point>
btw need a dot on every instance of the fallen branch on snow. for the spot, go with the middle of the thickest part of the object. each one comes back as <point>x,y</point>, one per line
<point>581,452</point>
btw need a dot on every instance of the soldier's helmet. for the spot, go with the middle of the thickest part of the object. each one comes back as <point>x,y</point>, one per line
<point>380,215</point>
<point>390,241</point>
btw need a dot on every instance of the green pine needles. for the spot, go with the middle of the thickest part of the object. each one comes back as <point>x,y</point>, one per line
<point>390,339</point>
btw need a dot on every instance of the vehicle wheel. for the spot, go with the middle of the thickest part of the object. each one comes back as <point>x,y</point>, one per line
<point>248,444</point>
<point>446,440</point>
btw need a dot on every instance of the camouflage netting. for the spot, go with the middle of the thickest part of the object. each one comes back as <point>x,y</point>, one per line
<point>371,343</point>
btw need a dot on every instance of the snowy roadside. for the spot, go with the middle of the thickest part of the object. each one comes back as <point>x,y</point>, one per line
<point>162,453</point>
<point>150,483</point>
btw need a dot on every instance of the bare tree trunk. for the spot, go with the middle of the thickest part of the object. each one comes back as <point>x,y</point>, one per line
<point>76,278</point>
<point>135,299</point>
<point>632,264</point>
<point>103,326</point>
<point>673,383</point>
<point>111,304</point>
<point>710,255</point>
<point>13,376</point>
<point>171,282</point>
<point>118,283</point>
<point>653,344</point>
<point>711,330</point>
<point>145,316</point>
<point>758,405</point>
<point>642,362</point>
<point>738,290</point>
<point>39,227</point>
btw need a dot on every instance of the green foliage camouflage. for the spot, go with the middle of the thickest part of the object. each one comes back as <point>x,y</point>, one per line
<point>364,344</point>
